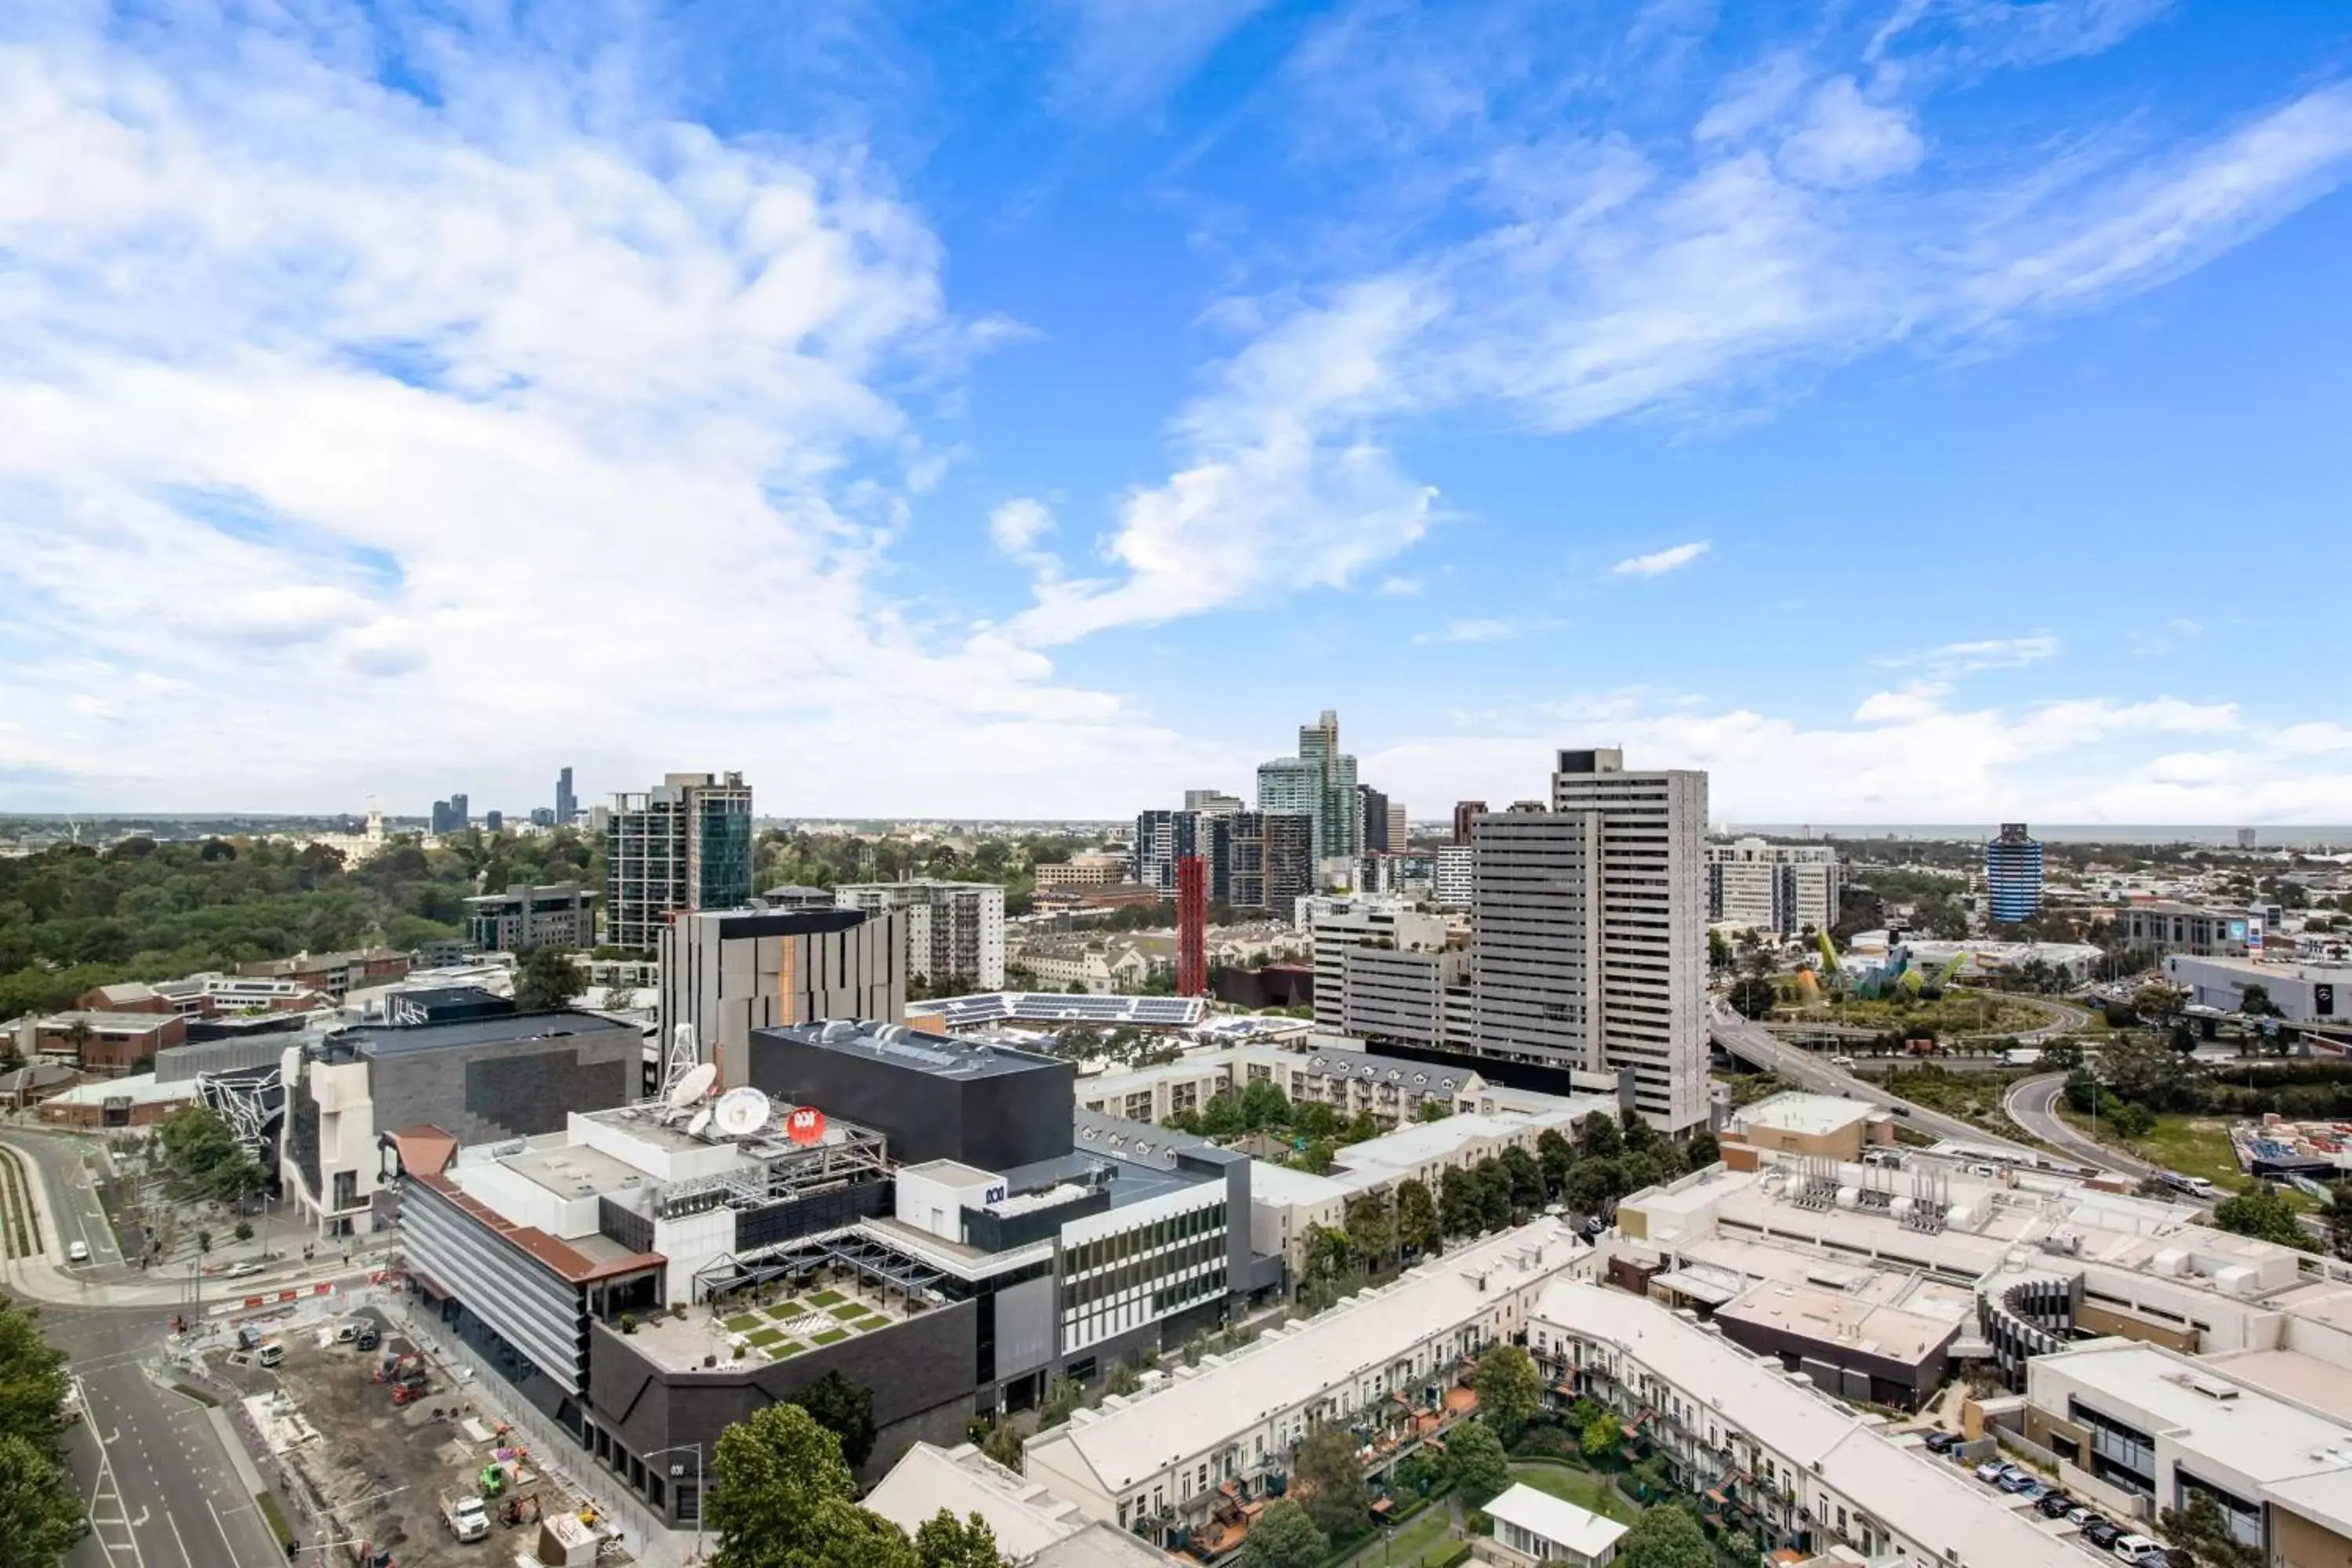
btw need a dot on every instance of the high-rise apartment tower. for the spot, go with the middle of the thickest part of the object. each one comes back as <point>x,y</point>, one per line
<point>683,844</point>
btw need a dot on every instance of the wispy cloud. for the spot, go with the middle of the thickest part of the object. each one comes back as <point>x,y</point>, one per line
<point>1484,630</point>
<point>1658,562</point>
<point>1399,587</point>
<point>1951,661</point>
<point>1126,55</point>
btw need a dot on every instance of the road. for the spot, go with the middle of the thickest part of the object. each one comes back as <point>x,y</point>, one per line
<point>1756,1045</point>
<point>164,1489</point>
<point>2032,1104</point>
<point>166,1484</point>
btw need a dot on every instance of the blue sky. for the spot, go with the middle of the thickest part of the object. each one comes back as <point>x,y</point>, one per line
<point>1921,410</point>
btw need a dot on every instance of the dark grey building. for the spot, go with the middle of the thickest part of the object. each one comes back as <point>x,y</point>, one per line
<point>730,971</point>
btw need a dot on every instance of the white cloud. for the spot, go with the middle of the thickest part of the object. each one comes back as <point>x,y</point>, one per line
<point>1660,562</point>
<point>518,419</point>
<point>1847,140</point>
<point>1399,587</point>
<point>1483,629</point>
<point>1907,757</point>
<point>1956,658</point>
<point>1754,98</point>
<point>1920,699</point>
<point>1126,55</point>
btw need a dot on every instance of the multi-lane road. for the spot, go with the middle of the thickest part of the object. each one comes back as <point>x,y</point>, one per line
<point>2032,1104</point>
<point>166,1483</point>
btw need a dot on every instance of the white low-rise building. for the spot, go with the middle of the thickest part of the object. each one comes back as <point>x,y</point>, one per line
<point>1533,1527</point>
<point>1163,1460</point>
<point>1034,1529</point>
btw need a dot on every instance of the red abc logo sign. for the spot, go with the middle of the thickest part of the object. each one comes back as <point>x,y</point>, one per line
<point>804,1125</point>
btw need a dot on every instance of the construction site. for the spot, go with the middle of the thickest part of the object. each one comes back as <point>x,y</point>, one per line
<point>393,1461</point>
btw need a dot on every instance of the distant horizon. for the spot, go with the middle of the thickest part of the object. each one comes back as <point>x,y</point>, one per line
<point>2268,836</point>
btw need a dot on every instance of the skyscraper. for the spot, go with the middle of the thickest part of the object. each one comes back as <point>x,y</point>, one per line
<point>1590,922</point>
<point>1192,926</point>
<point>1320,782</point>
<point>1272,859</point>
<point>1375,829</point>
<point>460,815</point>
<point>2012,875</point>
<point>1465,812</point>
<point>567,805</point>
<point>684,845</point>
<point>955,930</point>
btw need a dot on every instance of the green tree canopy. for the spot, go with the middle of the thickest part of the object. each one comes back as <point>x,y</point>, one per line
<point>1665,1537</point>
<point>1417,1226</point>
<point>1330,1482</point>
<point>1481,1469</point>
<point>1510,1390</point>
<point>550,978</point>
<point>1285,1537</point>
<point>943,1542</point>
<point>41,1514</point>
<point>843,1408</point>
<point>1598,1137</point>
<point>1601,1436</point>
<point>2266,1215</point>
<point>771,1479</point>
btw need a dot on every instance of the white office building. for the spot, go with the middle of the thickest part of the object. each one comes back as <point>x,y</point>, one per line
<point>1452,879</point>
<point>1590,920</point>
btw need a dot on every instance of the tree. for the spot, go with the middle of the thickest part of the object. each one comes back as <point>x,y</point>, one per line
<point>1122,1379</point>
<point>771,1479</point>
<point>2254,1002</point>
<point>1457,1202</point>
<point>1285,1537</point>
<point>1703,1150</point>
<point>1598,1137</point>
<point>1526,1178</point>
<point>943,1542</point>
<point>1330,1482</point>
<point>1510,1390</point>
<point>243,1231</point>
<point>2265,1215</point>
<point>1417,1226</point>
<point>1002,1444</point>
<point>40,1516</point>
<point>548,979</point>
<point>1062,1397</point>
<point>843,1408</point>
<point>2061,1056</point>
<point>1592,1183</point>
<point>1494,1188</point>
<point>1433,1110</point>
<point>1371,1233</point>
<point>1554,1155</point>
<point>2203,1530</point>
<point>1754,997</point>
<point>1665,1537</point>
<point>2339,1220</point>
<point>1601,1436</point>
<point>1480,1467</point>
<point>1318,1157</point>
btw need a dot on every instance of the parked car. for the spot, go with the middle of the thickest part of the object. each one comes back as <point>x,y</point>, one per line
<point>2082,1518</point>
<point>2139,1551</point>
<point>2055,1504</point>
<point>1941,1442</point>
<point>1991,1470</point>
<point>2102,1534</point>
<point>2015,1480</point>
<point>2028,1491</point>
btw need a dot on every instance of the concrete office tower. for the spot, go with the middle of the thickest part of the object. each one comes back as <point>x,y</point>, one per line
<point>683,846</point>
<point>1466,812</point>
<point>2012,875</point>
<point>1374,807</point>
<point>1592,931</point>
<point>1272,859</point>
<point>955,930</point>
<point>1319,783</point>
<point>1780,888</point>
<point>730,971</point>
<point>1399,833</point>
<point>560,914</point>
<point>567,805</point>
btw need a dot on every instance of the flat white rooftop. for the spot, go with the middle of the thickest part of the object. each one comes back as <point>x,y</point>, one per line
<point>1805,1115</point>
<point>1556,1519</point>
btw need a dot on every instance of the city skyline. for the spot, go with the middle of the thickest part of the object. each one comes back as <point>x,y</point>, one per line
<point>1859,407</point>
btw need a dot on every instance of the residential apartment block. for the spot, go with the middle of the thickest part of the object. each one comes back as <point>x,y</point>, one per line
<point>684,845</point>
<point>557,914</point>
<point>1776,887</point>
<point>1590,922</point>
<point>955,930</point>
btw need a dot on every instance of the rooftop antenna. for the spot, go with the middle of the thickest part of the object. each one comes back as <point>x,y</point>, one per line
<point>694,1086</point>
<point>741,1113</point>
<point>685,1056</point>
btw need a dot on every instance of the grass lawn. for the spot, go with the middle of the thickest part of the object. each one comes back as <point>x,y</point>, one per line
<point>848,1311</point>
<point>1588,1490</point>
<point>869,1324</point>
<point>787,1312</point>
<point>744,1324</point>
<point>2193,1145</point>
<point>788,1347</point>
<point>1427,1532</point>
<point>763,1336</point>
<point>832,1336</point>
<point>827,1299</point>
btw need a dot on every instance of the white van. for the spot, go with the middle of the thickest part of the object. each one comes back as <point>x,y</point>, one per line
<point>77,1252</point>
<point>270,1354</point>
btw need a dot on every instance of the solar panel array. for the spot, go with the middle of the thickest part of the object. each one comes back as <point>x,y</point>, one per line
<point>1057,1007</point>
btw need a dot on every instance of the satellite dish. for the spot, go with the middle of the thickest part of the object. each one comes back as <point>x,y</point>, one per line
<point>693,1085</point>
<point>699,1122</point>
<point>741,1113</point>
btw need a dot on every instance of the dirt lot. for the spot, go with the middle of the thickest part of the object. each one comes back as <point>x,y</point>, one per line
<point>381,1467</point>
